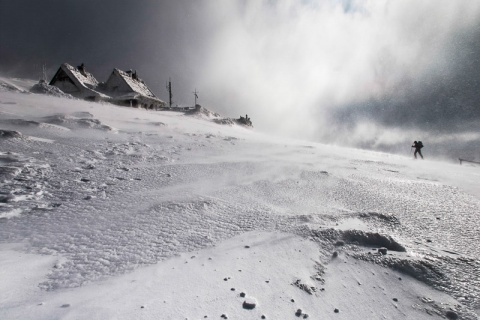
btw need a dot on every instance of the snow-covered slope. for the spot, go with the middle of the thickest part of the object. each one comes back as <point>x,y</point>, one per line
<point>112,212</point>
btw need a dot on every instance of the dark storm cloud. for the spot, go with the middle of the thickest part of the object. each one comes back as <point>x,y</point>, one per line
<point>156,37</point>
<point>440,101</point>
<point>370,73</point>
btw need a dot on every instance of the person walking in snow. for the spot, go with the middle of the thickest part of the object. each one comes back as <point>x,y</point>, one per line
<point>418,145</point>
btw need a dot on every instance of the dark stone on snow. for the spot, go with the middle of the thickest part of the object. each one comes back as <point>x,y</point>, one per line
<point>335,254</point>
<point>298,313</point>
<point>249,305</point>
<point>382,250</point>
<point>336,310</point>
<point>10,134</point>
<point>452,315</point>
<point>340,243</point>
<point>395,299</point>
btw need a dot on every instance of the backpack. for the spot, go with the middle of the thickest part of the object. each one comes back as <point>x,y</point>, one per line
<point>420,144</point>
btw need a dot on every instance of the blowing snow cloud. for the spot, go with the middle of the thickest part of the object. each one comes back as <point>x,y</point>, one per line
<point>374,74</point>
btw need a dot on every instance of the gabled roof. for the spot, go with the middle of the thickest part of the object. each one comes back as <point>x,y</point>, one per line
<point>82,77</point>
<point>83,80</point>
<point>134,83</point>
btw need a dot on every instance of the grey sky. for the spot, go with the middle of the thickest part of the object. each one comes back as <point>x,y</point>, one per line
<point>317,69</point>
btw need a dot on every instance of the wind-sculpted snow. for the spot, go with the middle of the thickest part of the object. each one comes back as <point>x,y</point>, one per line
<point>74,122</point>
<point>44,88</point>
<point>106,202</point>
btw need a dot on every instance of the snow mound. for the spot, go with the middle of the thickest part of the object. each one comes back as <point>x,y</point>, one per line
<point>158,124</point>
<point>202,112</point>
<point>372,239</point>
<point>9,134</point>
<point>361,238</point>
<point>31,123</point>
<point>389,219</point>
<point>73,122</point>
<point>83,114</point>
<point>44,88</point>
<point>225,121</point>
<point>7,86</point>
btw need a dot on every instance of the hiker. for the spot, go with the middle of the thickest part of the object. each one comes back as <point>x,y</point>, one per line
<point>418,145</point>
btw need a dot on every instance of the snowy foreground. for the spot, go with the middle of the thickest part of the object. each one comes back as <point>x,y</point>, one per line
<point>118,213</point>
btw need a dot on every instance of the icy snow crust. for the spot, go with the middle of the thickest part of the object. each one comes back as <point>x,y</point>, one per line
<point>107,190</point>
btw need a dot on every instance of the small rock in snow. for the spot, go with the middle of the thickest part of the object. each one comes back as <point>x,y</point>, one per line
<point>242,294</point>
<point>382,250</point>
<point>249,304</point>
<point>395,299</point>
<point>452,315</point>
<point>335,254</point>
<point>66,305</point>
<point>336,310</point>
<point>298,313</point>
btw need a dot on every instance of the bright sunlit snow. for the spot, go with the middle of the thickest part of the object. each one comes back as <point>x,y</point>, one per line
<point>111,212</point>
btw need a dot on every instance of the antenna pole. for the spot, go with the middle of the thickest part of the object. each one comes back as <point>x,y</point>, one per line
<point>44,69</point>
<point>170,96</point>
<point>195,93</point>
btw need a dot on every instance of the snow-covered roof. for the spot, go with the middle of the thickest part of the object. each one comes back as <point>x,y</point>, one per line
<point>83,80</point>
<point>134,83</point>
<point>86,78</point>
